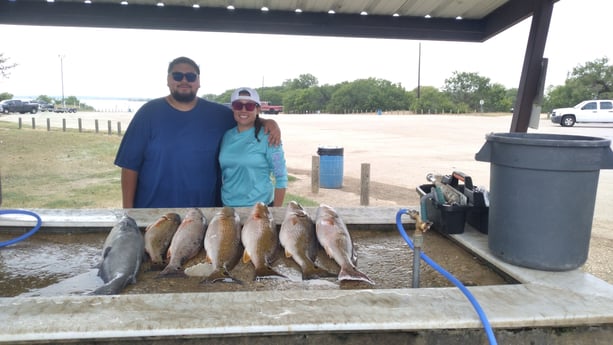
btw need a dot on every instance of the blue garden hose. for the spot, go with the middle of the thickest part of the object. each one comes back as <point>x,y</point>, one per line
<point>27,234</point>
<point>486,324</point>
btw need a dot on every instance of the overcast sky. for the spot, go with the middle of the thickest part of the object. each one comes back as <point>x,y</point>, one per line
<point>132,63</point>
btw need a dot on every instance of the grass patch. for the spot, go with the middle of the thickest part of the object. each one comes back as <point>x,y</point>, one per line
<point>55,169</point>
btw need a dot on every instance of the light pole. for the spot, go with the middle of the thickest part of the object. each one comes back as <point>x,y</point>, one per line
<point>61,56</point>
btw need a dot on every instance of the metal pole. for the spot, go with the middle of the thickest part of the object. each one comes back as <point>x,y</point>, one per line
<point>419,72</point>
<point>62,77</point>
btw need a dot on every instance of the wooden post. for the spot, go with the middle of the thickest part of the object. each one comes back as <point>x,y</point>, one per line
<point>80,125</point>
<point>64,125</point>
<point>119,128</point>
<point>97,127</point>
<point>365,184</point>
<point>33,123</point>
<point>315,174</point>
<point>48,124</point>
<point>109,126</point>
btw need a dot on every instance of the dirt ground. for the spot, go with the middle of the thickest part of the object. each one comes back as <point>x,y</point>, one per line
<point>400,151</point>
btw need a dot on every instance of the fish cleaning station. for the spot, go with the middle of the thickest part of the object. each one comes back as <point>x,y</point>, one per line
<point>541,295</point>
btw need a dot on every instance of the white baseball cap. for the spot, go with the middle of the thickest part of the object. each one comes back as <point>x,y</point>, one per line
<point>249,94</point>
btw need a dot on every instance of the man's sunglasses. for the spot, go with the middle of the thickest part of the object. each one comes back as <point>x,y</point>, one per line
<point>239,106</point>
<point>178,76</point>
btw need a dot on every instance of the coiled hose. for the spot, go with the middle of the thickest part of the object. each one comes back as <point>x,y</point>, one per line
<point>27,234</point>
<point>486,324</point>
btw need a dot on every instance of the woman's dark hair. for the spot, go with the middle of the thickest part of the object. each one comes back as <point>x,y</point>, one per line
<point>257,125</point>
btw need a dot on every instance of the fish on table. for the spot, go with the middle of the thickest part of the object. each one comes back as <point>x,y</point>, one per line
<point>158,236</point>
<point>122,255</point>
<point>334,237</point>
<point>186,243</point>
<point>297,237</point>
<point>261,241</point>
<point>222,244</point>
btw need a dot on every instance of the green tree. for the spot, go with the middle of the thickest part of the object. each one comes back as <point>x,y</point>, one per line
<point>431,100</point>
<point>595,76</point>
<point>304,81</point>
<point>5,95</point>
<point>368,95</point>
<point>592,80</point>
<point>5,66</point>
<point>45,98</point>
<point>306,101</point>
<point>467,89</point>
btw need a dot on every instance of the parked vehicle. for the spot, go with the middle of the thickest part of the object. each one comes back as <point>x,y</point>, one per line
<point>592,111</point>
<point>43,106</point>
<point>17,106</point>
<point>60,109</point>
<point>270,109</point>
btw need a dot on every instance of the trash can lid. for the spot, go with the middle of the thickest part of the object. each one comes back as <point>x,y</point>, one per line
<point>330,151</point>
<point>543,139</point>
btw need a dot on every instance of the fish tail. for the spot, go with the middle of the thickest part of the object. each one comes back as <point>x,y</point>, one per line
<point>113,287</point>
<point>221,275</point>
<point>171,271</point>
<point>351,273</point>
<point>314,272</point>
<point>265,271</point>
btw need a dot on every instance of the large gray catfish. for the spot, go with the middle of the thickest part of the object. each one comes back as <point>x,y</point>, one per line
<point>334,237</point>
<point>222,244</point>
<point>297,236</point>
<point>122,255</point>
<point>158,236</point>
<point>261,241</point>
<point>186,243</point>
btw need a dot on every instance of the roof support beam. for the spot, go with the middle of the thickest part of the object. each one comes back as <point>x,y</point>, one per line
<point>532,69</point>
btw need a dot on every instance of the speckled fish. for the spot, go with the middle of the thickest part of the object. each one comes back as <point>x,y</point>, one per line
<point>158,236</point>
<point>334,237</point>
<point>186,243</point>
<point>297,236</point>
<point>222,244</point>
<point>261,241</point>
<point>122,255</point>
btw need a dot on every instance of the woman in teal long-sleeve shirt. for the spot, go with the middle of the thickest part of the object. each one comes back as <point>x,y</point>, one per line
<point>252,171</point>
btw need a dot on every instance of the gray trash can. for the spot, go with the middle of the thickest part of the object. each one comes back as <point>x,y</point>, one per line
<point>542,196</point>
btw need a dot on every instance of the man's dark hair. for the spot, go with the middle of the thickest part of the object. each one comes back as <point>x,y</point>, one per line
<point>185,60</point>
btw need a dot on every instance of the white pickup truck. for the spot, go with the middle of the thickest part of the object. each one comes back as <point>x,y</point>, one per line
<point>594,111</point>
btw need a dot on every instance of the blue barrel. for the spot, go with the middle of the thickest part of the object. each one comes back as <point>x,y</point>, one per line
<point>330,167</point>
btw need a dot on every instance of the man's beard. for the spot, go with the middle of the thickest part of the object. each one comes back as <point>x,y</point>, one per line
<point>183,98</point>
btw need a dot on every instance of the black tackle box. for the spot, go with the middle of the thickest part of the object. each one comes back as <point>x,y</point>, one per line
<point>450,219</point>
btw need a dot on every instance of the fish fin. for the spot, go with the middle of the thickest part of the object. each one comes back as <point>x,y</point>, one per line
<point>220,275</point>
<point>288,254</point>
<point>106,251</point>
<point>263,272</point>
<point>208,259</point>
<point>351,273</point>
<point>246,257</point>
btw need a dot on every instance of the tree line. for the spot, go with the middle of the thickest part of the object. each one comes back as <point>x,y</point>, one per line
<point>462,92</point>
